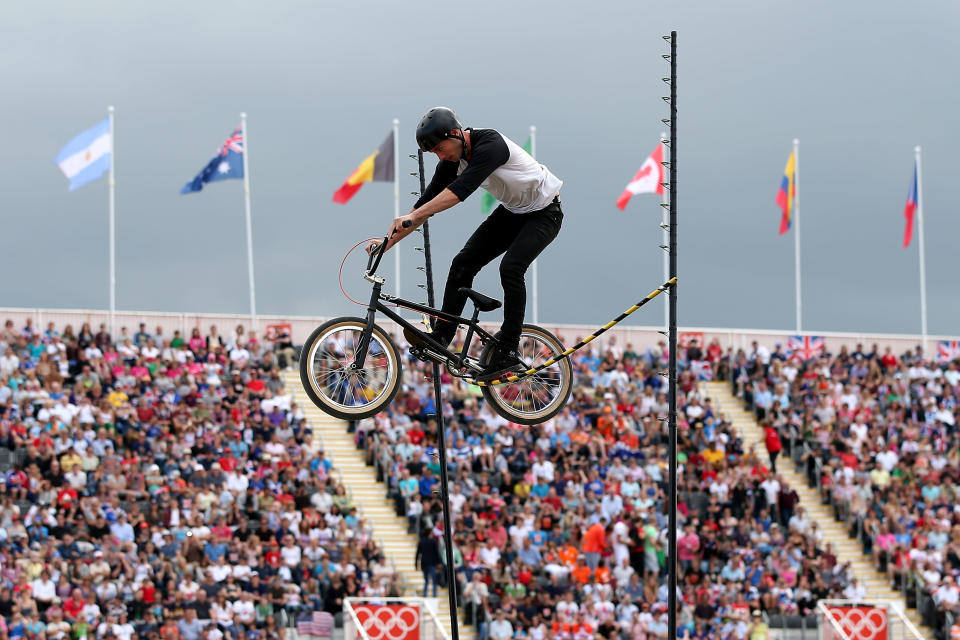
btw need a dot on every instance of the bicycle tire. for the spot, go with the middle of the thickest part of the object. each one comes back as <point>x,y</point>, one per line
<point>349,395</point>
<point>504,398</point>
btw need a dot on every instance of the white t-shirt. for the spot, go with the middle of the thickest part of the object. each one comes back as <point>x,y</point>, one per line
<point>43,590</point>
<point>220,572</point>
<point>291,555</point>
<point>521,183</point>
<point>244,610</point>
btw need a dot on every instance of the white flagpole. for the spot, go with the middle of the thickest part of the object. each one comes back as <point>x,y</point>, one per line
<point>246,193</point>
<point>536,278</point>
<point>923,269</point>
<point>113,233</point>
<point>796,225</point>
<point>396,197</point>
<point>666,240</point>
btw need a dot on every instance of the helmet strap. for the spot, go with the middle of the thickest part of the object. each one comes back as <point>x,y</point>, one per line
<point>463,143</point>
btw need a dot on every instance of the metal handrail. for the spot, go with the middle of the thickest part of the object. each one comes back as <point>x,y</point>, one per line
<point>825,613</point>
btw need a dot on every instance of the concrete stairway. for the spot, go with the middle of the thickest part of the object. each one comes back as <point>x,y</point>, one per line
<point>845,548</point>
<point>370,497</point>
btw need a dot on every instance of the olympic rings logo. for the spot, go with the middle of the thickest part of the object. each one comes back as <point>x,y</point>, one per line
<point>860,622</point>
<point>388,622</point>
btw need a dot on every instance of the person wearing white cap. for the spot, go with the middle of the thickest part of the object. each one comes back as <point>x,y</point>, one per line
<point>947,595</point>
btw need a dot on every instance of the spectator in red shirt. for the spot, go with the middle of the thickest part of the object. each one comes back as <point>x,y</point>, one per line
<point>771,439</point>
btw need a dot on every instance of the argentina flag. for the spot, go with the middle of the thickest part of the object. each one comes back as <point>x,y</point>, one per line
<point>226,163</point>
<point>87,156</point>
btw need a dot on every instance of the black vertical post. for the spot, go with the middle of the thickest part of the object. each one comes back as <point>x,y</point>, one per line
<point>441,436</point>
<point>672,368</point>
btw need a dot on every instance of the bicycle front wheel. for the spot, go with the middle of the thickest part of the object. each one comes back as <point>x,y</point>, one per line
<point>536,398</point>
<point>331,381</point>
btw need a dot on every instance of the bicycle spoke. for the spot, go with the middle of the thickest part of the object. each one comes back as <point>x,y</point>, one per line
<point>333,375</point>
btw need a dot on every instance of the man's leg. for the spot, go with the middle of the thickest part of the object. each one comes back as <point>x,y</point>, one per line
<point>492,238</point>
<point>539,230</point>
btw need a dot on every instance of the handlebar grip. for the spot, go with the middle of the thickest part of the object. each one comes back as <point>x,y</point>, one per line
<point>377,253</point>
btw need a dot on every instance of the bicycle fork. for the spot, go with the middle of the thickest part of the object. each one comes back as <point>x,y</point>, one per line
<point>364,343</point>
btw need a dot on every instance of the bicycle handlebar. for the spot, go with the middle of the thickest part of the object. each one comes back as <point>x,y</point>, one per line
<point>379,250</point>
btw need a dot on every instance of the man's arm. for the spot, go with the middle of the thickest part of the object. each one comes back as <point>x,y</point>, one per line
<point>443,201</point>
<point>488,152</point>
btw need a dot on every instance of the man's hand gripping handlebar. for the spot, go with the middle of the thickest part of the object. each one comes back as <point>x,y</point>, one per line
<point>376,251</point>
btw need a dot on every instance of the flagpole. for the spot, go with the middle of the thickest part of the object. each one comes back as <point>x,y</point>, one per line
<point>536,278</point>
<point>796,226</point>
<point>246,193</point>
<point>113,233</point>
<point>923,268</point>
<point>396,197</point>
<point>665,199</point>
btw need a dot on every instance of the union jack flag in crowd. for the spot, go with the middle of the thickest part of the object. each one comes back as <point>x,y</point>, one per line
<point>806,348</point>
<point>318,625</point>
<point>947,351</point>
<point>227,162</point>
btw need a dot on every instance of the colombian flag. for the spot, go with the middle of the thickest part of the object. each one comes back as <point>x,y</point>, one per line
<point>787,193</point>
<point>910,209</point>
<point>377,167</point>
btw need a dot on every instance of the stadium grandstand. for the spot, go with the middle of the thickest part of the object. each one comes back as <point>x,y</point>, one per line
<point>171,481</point>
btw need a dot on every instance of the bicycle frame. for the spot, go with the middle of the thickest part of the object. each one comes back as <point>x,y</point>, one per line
<point>377,303</point>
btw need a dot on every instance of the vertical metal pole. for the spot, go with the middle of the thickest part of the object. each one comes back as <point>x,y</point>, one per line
<point>396,200</point>
<point>246,195</point>
<point>796,228</point>
<point>672,373</point>
<point>665,199</point>
<point>536,278</point>
<point>923,266</point>
<point>441,436</point>
<point>113,233</point>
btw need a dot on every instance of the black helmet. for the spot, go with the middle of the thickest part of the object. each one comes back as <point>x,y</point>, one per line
<point>435,127</point>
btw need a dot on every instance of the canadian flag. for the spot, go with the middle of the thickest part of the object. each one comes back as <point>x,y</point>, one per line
<point>648,180</point>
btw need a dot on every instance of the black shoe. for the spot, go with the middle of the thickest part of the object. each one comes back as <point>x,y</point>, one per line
<point>444,336</point>
<point>502,363</point>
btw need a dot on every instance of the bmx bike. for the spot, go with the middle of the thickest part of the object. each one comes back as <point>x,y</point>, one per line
<point>352,369</point>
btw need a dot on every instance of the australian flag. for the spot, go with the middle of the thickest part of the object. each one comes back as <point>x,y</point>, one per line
<point>227,163</point>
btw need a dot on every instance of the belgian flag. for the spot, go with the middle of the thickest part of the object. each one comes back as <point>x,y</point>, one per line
<point>378,167</point>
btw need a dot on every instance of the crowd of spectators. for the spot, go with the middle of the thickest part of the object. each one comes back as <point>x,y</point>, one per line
<point>878,434</point>
<point>162,486</point>
<point>559,529</point>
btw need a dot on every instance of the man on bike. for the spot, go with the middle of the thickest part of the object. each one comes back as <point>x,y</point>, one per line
<point>526,221</point>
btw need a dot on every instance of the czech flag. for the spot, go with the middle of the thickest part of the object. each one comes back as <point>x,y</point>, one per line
<point>649,178</point>
<point>378,167</point>
<point>910,209</point>
<point>787,193</point>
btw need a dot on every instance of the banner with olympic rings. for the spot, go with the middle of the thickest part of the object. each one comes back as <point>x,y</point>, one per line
<point>388,621</point>
<point>861,622</point>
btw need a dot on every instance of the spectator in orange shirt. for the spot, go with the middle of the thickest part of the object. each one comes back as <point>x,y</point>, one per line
<point>602,574</point>
<point>594,542</point>
<point>581,572</point>
<point>568,555</point>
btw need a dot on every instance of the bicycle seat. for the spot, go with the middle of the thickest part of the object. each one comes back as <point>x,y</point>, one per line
<point>484,303</point>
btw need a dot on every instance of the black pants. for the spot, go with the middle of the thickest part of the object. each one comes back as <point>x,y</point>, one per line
<point>519,237</point>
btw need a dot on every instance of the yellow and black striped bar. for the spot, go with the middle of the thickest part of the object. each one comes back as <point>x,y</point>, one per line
<point>653,294</point>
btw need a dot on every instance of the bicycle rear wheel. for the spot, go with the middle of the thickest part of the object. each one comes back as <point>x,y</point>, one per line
<point>329,379</point>
<point>539,397</point>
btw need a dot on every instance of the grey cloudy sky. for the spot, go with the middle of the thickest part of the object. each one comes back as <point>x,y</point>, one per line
<point>859,82</point>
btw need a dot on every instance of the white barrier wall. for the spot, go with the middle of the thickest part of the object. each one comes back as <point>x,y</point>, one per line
<point>301,326</point>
